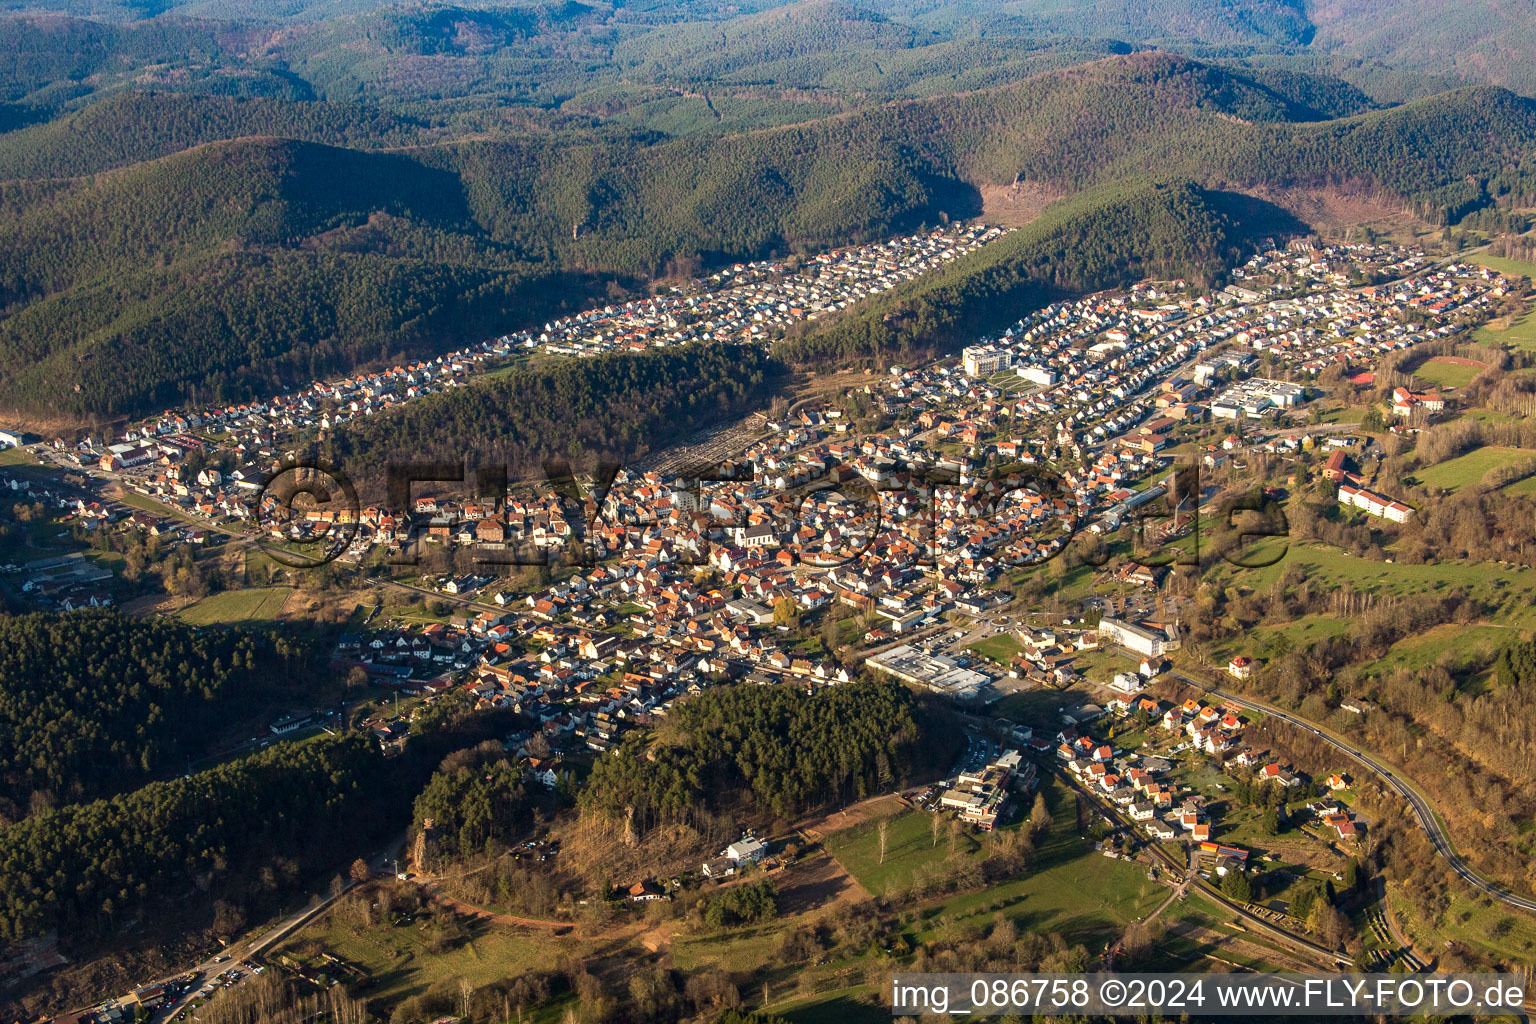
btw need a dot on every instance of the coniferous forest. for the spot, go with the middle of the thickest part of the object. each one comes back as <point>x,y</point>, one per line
<point>86,868</point>
<point>784,750</point>
<point>95,702</point>
<point>621,405</point>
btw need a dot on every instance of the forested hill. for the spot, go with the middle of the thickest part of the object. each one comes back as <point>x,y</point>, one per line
<point>253,193</point>
<point>133,127</point>
<point>86,869</point>
<point>1106,237</point>
<point>239,266</point>
<point>620,405</point>
<point>784,750</point>
<point>93,702</point>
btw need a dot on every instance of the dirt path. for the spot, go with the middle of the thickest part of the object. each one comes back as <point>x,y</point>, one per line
<point>1231,944</point>
<point>818,825</point>
<point>480,914</point>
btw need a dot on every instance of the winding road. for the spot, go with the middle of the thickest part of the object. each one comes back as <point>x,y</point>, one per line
<point>1421,809</point>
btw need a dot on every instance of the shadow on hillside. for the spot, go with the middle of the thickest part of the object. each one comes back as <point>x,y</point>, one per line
<point>1259,217</point>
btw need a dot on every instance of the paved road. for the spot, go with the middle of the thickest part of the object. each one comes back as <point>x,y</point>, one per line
<point>1421,807</point>
<point>236,954</point>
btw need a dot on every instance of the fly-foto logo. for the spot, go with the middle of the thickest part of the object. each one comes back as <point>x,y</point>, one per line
<point>306,503</point>
<point>824,523</point>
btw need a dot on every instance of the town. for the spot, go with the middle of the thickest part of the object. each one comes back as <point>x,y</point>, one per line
<point>819,549</point>
<point>898,530</point>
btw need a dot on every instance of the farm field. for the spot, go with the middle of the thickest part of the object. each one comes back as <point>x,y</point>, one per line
<point>1470,468</point>
<point>258,604</point>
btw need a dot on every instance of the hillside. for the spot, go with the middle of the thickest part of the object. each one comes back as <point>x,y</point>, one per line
<point>471,55</point>
<point>233,266</point>
<point>222,270</point>
<point>132,127</point>
<point>618,405</point>
<point>1104,238</point>
<point>1491,41</point>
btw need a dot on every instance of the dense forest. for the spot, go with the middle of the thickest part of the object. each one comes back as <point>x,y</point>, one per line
<point>93,702</point>
<point>1104,238</point>
<point>218,272</point>
<point>476,796</point>
<point>618,405</point>
<point>784,750</point>
<point>245,830</point>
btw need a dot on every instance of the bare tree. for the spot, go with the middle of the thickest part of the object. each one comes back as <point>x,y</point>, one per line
<point>883,830</point>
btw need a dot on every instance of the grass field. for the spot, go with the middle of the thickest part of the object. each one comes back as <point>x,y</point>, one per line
<point>909,846</point>
<point>1000,648</point>
<point>839,1006</point>
<point>1522,332</point>
<point>1266,642</point>
<point>401,964</point>
<point>1072,890</point>
<point>1514,268</point>
<point>18,462</point>
<point>258,604</point>
<point>1509,590</point>
<point>10,457</point>
<point>1422,650</point>
<point>1447,374</point>
<point>1040,707</point>
<point>1454,474</point>
<point>1480,922</point>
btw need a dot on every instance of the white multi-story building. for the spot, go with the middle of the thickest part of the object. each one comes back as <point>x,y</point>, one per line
<point>985,360</point>
<point>1373,504</point>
